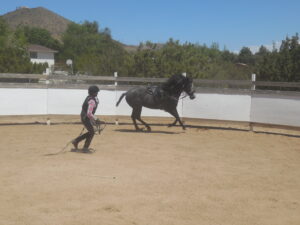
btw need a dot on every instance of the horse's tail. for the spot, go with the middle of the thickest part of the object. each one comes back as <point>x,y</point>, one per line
<point>120,99</point>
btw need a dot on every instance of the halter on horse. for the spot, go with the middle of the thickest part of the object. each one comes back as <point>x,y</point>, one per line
<point>164,97</point>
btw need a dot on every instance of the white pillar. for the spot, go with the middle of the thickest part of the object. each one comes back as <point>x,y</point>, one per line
<point>253,79</point>
<point>116,75</point>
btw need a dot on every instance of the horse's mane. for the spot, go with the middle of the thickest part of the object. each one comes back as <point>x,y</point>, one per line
<point>172,82</point>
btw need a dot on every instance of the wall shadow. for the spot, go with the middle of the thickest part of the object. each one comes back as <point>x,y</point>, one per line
<point>145,131</point>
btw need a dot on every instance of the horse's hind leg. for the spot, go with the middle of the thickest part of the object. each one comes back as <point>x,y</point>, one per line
<point>145,124</point>
<point>138,117</point>
<point>134,117</point>
<point>174,123</point>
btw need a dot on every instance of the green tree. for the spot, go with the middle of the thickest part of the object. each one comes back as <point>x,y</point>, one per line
<point>34,35</point>
<point>280,65</point>
<point>13,54</point>
<point>92,51</point>
<point>246,56</point>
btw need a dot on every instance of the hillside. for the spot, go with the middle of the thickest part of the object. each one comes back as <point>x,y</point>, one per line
<point>38,17</point>
<point>46,19</point>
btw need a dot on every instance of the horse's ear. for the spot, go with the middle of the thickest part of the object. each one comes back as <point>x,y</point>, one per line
<point>189,78</point>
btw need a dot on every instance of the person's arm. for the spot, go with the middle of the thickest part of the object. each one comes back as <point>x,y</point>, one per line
<point>91,107</point>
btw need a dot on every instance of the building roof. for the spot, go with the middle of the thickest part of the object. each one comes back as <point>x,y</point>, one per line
<point>40,48</point>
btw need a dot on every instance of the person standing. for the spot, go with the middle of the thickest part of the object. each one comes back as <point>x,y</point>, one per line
<point>88,118</point>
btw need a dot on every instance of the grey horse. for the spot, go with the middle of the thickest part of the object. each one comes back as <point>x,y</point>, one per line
<point>164,97</point>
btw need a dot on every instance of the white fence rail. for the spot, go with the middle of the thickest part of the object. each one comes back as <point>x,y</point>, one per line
<point>232,100</point>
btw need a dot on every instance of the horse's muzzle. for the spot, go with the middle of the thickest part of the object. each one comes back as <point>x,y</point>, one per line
<point>192,95</point>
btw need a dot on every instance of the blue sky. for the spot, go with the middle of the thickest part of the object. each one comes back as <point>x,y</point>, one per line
<point>232,24</point>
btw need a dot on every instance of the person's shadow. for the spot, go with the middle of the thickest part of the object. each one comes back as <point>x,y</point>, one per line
<point>84,151</point>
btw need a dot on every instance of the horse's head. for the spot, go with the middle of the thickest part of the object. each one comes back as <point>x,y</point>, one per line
<point>178,83</point>
<point>188,87</point>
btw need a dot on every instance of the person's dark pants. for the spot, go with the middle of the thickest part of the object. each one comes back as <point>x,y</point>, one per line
<point>88,136</point>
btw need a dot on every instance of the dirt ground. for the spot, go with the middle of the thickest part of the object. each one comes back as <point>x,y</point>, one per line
<point>202,176</point>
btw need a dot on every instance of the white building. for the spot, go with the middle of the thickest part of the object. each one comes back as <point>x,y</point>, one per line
<point>41,54</point>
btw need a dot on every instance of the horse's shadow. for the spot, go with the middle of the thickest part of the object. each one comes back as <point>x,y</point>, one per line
<point>146,132</point>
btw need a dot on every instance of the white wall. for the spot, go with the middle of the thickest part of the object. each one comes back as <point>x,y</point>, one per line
<point>235,107</point>
<point>17,101</point>
<point>218,106</point>
<point>65,101</point>
<point>280,110</point>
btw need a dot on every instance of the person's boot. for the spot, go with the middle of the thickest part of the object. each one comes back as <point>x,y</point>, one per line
<point>85,150</point>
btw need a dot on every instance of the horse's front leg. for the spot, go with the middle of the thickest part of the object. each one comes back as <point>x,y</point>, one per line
<point>174,113</point>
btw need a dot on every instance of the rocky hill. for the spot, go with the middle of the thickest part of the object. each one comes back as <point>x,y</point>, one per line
<point>46,19</point>
<point>38,17</point>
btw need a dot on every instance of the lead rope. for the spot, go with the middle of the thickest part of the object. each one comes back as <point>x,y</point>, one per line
<point>184,96</point>
<point>63,149</point>
<point>98,127</point>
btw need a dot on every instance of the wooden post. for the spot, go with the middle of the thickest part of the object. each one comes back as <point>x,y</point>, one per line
<point>253,79</point>
<point>184,74</point>
<point>116,99</point>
